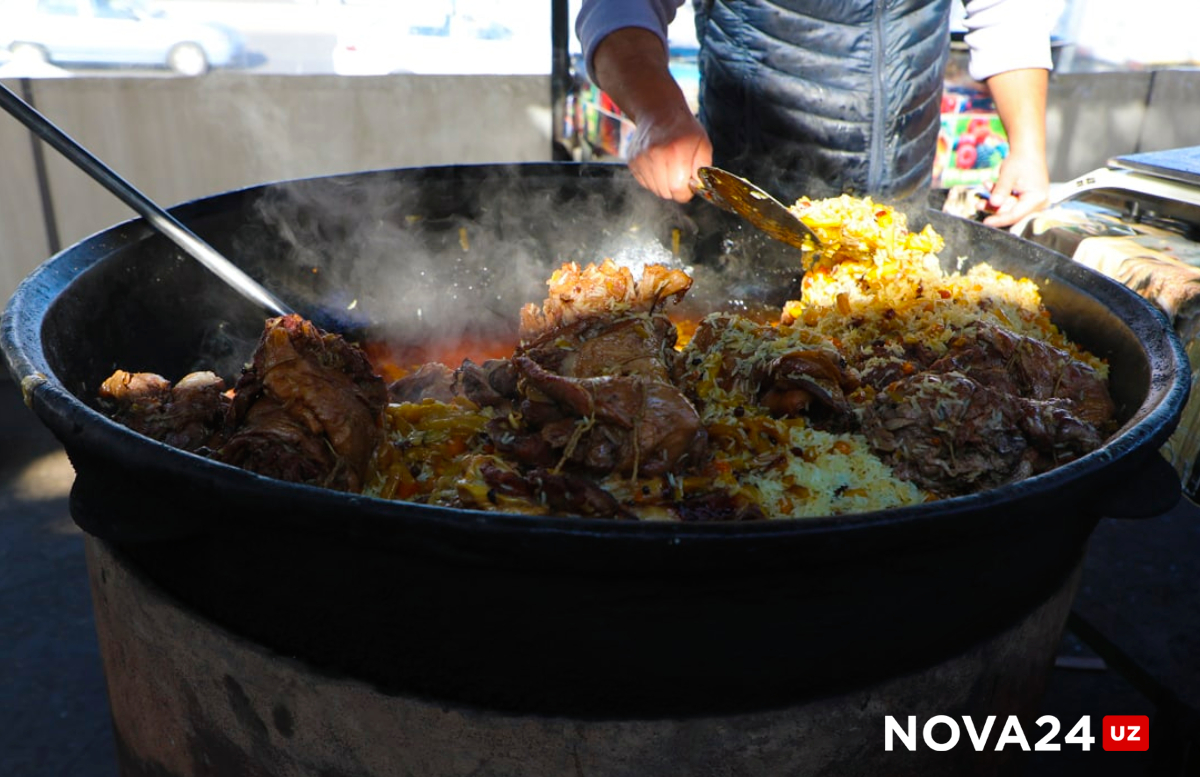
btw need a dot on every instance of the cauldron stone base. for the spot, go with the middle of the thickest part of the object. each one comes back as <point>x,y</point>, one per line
<point>188,698</point>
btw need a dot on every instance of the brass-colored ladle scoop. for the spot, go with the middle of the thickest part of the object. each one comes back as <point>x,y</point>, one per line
<point>737,195</point>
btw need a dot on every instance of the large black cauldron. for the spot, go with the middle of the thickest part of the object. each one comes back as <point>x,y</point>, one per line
<point>561,616</point>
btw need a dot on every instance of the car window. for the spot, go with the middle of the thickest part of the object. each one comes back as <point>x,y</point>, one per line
<point>58,7</point>
<point>114,9</point>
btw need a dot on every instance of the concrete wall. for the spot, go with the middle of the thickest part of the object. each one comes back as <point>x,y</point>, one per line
<point>178,139</point>
<point>1173,111</point>
<point>1092,117</point>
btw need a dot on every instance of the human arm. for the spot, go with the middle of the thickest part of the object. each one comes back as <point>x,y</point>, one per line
<point>1022,185</point>
<point>668,143</point>
<point>625,46</point>
<point>1010,51</point>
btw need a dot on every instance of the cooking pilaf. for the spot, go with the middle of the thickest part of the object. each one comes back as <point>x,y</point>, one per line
<point>872,282</point>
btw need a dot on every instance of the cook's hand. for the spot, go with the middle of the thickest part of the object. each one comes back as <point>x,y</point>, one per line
<point>1022,187</point>
<point>666,150</point>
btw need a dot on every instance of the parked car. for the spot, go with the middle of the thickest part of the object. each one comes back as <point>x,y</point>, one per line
<point>431,39</point>
<point>115,33</point>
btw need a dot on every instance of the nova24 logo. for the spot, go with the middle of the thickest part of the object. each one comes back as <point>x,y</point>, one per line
<point>942,732</point>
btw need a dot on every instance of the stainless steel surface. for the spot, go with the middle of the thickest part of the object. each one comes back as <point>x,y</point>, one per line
<point>155,215</point>
<point>1132,182</point>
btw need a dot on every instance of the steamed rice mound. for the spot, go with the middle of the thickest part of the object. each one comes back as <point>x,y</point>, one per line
<point>872,279</point>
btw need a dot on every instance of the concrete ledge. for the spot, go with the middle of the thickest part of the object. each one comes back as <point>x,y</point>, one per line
<point>178,139</point>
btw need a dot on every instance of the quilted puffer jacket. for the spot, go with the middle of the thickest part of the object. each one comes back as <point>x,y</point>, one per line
<point>820,97</point>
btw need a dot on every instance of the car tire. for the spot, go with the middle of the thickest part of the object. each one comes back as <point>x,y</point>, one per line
<point>28,52</point>
<point>188,59</point>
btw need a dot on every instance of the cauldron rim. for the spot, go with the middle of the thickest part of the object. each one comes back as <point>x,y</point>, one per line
<point>67,415</point>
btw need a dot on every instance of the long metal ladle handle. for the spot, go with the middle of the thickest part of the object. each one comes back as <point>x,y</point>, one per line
<point>158,218</point>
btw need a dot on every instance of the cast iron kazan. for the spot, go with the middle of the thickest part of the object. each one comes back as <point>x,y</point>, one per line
<point>547,615</point>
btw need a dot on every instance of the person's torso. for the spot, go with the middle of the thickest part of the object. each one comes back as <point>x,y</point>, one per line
<point>820,97</point>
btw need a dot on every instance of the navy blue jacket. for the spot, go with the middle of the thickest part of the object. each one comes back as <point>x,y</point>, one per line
<point>821,97</point>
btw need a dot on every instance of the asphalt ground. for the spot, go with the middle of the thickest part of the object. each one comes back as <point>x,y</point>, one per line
<point>1139,603</point>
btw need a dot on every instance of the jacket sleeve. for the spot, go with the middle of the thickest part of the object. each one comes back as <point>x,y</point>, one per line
<point>598,18</point>
<point>1008,35</point>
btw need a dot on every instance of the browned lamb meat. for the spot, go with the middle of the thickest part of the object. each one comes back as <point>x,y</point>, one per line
<point>188,415</point>
<point>947,433</point>
<point>610,423</point>
<point>603,345</point>
<point>1056,432</point>
<point>886,361</point>
<point>599,392</point>
<point>759,365</point>
<point>808,379</point>
<point>491,384</point>
<point>309,408</point>
<point>430,381</point>
<point>952,434</point>
<point>996,407</point>
<point>1029,368</point>
<point>561,492</point>
<point>594,370</point>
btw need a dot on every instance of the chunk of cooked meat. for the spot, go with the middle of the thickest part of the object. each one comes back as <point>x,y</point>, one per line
<point>736,361</point>
<point>885,361</point>
<point>808,379</point>
<point>1056,433</point>
<point>601,290</point>
<point>629,344</point>
<point>716,506</point>
<point>595,377</point>
<point>952,434</point>
<point>613,423</point>
<point>947,433</point>
<point>563,493</point>
<point>491,384</point>
<point>308,409</point>
<point>188,415</point>
<point>1029,368</point>
<point>429,381</point>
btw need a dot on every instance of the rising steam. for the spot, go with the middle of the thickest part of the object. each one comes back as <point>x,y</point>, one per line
<point>456,252</point>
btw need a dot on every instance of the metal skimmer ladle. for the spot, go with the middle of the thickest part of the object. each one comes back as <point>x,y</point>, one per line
<point>737,195</point>
<point>157,217</point>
